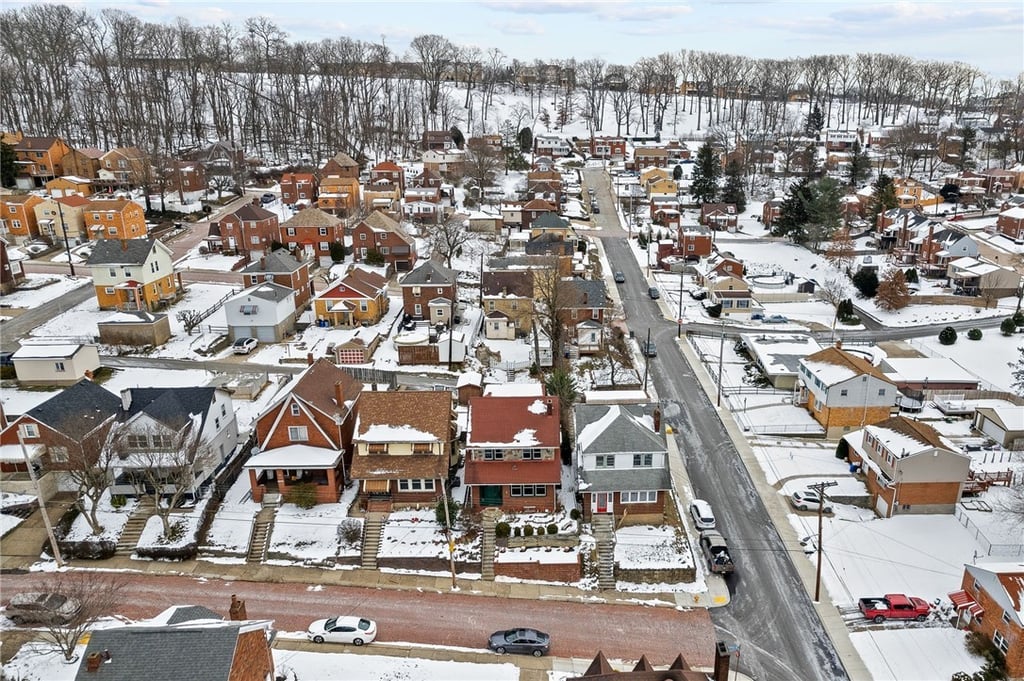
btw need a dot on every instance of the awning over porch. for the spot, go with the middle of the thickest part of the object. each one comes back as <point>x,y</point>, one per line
<point>296,456</point>
<point>373,486</point>
<point>13,453</point>
<point>962,600</point>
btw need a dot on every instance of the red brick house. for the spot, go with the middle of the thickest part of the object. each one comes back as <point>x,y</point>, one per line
<point>390,172</point>
<point>298,188</point>
<point>123,167</point>
<point>650,157</point>
<point>39,159</point>
<point>340,165</point>
<point>428,292</point>
<point>533,209</point>
<point>770,212</point>
<point>11,272</point>
<point>402,448</point>
<point>991,602</point>
<point>720,216</point>
<point>438,140</point>
<point>306,435</point>
<point>249,229</point>
<point>380,233</point>
<point>185,177</point>
<point>313,231</point>
<point>1011,223</point>
<point>613,148</point>
<point>282,267</point>
<point>18,220</point>
<point>428,178</point>
<point>695,241</point>
<point>512,453</point>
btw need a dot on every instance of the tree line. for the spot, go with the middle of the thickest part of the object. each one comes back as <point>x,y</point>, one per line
<point>110,79</point>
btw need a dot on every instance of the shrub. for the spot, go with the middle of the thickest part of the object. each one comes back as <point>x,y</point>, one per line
<point>517,531</point>
<point>575,514</point>
<point>118,501</point>
<point>338,251</point>
<point>911,276</point>
<point>974,334</point>
<point>553,528</point>
<point>528,530</point>
<point>866,282</point>
<point>374,257</point>
<point>302,495</point>
<point>1008,327</point>
<point>1018,317</point>
<point>502,530</point>
<point>540,530</point>
<point>350,531</point>
<point>715,311</point>
<point>947,336</point>
<point>852,320</point>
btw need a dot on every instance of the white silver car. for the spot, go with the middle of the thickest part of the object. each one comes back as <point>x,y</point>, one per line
<point>808,500</point>
<point>354,630</point>
<point>703,516</point>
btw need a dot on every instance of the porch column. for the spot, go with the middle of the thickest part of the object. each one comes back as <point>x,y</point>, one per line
<point>254,486</point>
<point>332,481</point>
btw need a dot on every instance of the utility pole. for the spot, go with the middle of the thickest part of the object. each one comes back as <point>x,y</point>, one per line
<point>42,505</point>
<point>721,355</point>
<point>679,319</point>
<point>820,489</point>
<point>647,359</point>
<point>448,534</point>
<point>64,229</point>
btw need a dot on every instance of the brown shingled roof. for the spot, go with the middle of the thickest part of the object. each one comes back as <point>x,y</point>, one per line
<point>312,217</point>
<point>838,357</point>
<point>916,430</point>
<point>317,384</point>
<point>428,411</point>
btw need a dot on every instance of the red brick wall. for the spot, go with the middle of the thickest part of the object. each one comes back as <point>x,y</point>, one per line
<point>253,660</point>
<point>991,622</point>
<point>279,436</point>
<point>548,572</point>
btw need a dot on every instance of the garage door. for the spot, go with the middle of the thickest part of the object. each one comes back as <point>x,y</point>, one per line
<point>992,429</point>
<point>239,332</point>
<point>265,334</point>
<point>881,507</point>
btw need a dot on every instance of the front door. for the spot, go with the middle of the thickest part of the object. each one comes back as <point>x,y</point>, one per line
<point>602,502</point>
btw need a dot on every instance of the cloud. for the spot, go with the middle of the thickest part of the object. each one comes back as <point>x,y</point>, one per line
<point>607,11</point>
<point>898,20</point>
<point>525,26</point>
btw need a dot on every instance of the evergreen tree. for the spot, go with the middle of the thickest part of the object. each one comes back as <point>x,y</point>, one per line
<point>706,172</point>
<point>733,191</point>
<point>677,173</point>
<point>883,199</point>
<point>457,137</point>
<point>968,136</point>
<point>792,220</point>
<point>866,281</point>
<point>8,167</point>
<point>824,211</point>
<point>860,165</point>
<point>815,122</point>
<point>526,140</point>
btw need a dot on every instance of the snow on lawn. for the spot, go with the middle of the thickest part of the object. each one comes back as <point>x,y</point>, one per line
<point>782,459</point>
<point>112,519</point>
<point>216,262</point>
<point>906,654</point>
<point>913,315</point>
<point>417,534</point>
<point>231,526</point>
<point>294,665</point>
<point>28,296</point>
<point>306,534</point>
<point>649,547</point>
<point>987,358</point>
<point>78,321</point>
<point>185,525</point>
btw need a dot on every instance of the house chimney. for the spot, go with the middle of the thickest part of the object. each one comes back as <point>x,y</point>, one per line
<point>721,669</point>
<point>657,419</point>
<point>551,408</point>
<point>126,399</point>
<point>839,343</point>
<point>309,358</point>
<point>124,244</point>
<point>93,662</point>
<point>263,262</point>
<point>237,610</point>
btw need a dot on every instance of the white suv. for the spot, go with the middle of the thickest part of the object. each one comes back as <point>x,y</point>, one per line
<point>703,516</point>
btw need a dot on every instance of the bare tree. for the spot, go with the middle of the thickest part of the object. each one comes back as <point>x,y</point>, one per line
<point>96,595</point>
<point>447,237</point>
<point>893,293</point>
<point>436,55</point>
<point>840,251</point>
<point>482,163</point>
<point>553,296</point>
<point>89,469</point>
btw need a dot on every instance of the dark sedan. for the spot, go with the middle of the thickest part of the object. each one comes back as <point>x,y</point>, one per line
<point>529,641</point>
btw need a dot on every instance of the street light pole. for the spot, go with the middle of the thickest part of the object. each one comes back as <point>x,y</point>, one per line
<point>647,357</point>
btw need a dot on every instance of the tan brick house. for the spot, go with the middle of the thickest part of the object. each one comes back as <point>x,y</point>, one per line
<point>66,215</point>
<point>123,167</point>
<point>844,392</point>
<point>84,162</point>
<point>991,602</point>
<point>18,221</point>
<point>115,219</point>
<point>306,435</point>
<point>510,293</point>
<point>39,159</point>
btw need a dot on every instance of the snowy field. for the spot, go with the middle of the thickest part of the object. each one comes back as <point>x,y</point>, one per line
<point>58,285</point>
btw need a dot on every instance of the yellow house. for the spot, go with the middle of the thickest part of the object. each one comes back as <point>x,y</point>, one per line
<point>133,274</point>
<point>654,174</point>
<point>68,185</point>
<point>912,194</point>
<point>361,296</point>
<point>662,187</point>
<point>64,216</point>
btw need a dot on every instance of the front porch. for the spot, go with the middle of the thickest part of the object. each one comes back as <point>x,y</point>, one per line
<point>281,470</point>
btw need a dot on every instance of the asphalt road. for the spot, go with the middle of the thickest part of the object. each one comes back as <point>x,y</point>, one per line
<point>429,617</point>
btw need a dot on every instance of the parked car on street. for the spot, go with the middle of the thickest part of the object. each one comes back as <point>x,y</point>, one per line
<point>243,346</point>
<point>520,640</point>
<point>654,293</point>
<point>775,319</point>
<point>36,607</point>
<point>354,630</point>
<point>649,349</point>
<point>268,198</point>
<point>808,500</point>
<point>703,516</point>
<point>620,278</point>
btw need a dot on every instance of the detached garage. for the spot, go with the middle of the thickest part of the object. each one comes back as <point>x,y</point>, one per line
<point>1005,425</point>
<point>265,312</point>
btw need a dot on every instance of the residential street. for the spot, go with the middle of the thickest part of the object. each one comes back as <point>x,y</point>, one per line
<point>770,614</point>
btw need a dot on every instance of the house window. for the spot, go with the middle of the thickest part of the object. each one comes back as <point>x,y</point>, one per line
<point>377,448</point>
<point>416,485</point>
<point>1006,617</point>
<point>595,313</point>
<point>638,497</point>
<point>604,461</point>
<point>1000,641</point>
<point>59,454</point>
<point>362,236</point>
<point>254,239</point>
<point>324,246</point>
<point>643,460</point>
<point>384,250</point>
<point>112,230</point>
<point>881,392</point>
<point>16,224</point>
<point>216,422</point>
<point>249,309</point>
<point>817,405</point>
<point>690,247</point>
<point>493,454</point>
<point>364,306</point>
<point>298,434</point>
<point>290,231</point>
<point>527,490</point>
<point>223,410</point>
<point>844,392</point>
<point>112,271</point>
<point>322,231</point>
<point>58,367</point>
<point>127,272</point>
<point>29,430</point>
<point>253,279</point>
<point>440,312</point>
<point>133,442</point>
<point>422,448</point>
<point>163,441</point>
<point>109,290</point>
<point>295,409</point>
<point>532,454</point>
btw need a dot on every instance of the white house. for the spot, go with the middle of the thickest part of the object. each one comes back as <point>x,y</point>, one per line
<point>551,145</point>
<point>55,363</point>
<point>265,312</point>
<point>1004,424</point>
<point>844,392</point>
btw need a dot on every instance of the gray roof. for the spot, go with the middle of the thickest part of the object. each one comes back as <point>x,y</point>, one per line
<point>171,406</point>
<point>253,213</point>
<point>626,479</point>
<point>268,290</point>
<point>121,251</point>
<point>78,409</point>
<point>622,432</point>
<point>162,653</point>
<point>275,261</point>
<point>549,221</point>
<point>431,273</point>
<point>589,293</point>
<point>190,613</point>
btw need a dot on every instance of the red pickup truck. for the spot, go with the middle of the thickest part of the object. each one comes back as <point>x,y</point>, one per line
<point>894,607</point>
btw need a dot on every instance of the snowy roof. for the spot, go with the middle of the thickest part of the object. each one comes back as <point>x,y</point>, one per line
<point>514,389</point>
<point>780,353</point>
<point>13,453</point>
<point>832,366</point>
<point>617,428</point>
<point>905,437</point>
<point>1010,418</point>
<point>1004,583</point>
<point>47,350</point>
<point>939,370</point>
<point>513,422</point>
<point>1016,213</point>
<point>295,456</point>
<point>266,291</point>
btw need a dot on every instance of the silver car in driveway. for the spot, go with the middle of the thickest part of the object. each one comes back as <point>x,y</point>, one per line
<point>520,640</point>
<point>36,607</point>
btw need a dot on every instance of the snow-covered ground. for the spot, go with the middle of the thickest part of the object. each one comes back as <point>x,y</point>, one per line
<point>42,288</point>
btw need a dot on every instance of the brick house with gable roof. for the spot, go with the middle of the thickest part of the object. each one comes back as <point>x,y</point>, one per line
<point>284,268</point>
<point>249,229</point>
<point>650,157</point>
<point>306,435</point>
<point>909,467</point>
<point>338,195</point>
<point>122,166</point>
<point>1010,223</point>
<point>385,235</point>
<point>18,218</point>
<point>533,209</point>
<point>720,216</point>
<point>38,159</point>
<point>991,602</point>
<point>512,453</point>
<point>843,391</point>
<point>428,292</point>
<point>402,448</point>
<point>340,165</point>
<point>313,231</point>
<point>298,188</point>
<point>508,293</point>
<point>115,219</point>
<point>360,296</point>
<point>83,162</point>
<point>390,172</point>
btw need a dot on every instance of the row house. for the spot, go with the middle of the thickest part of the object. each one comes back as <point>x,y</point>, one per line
<point>1010,223</point>
<point>897,227</point>
<point>909,467</point>
<point>991,602</point>
<point>508,303</point>
<point>610,148</point>
<point>719,216</point>
<point>338,195</point>
<point>512,453</point>
<point>133,274</point>
<point>438,140</point>
<point>249,229</point>
<point>63,217</point>
<point>450,164</point>
<point>12,274</point>
<point>982,277</point>
<point>313,231</point>
<point>843,391</point>
<point>650,157</point>
<point>115,219</point>
<point>305,436</point>
<point>298,188</point>
<point>69,185</point>
<point>551,145</point>
<point>284,268</point>
<point>123,167</point>
<point>18,217</point>
<point>621,453</point>
<point>533,209</point>
<point>428,292</point>
<point>390,172</point>
<point>38,159</point>
<point>936,249</point>
<point>340,165</point>
<point>360,297</point>
<point>385,236</point>
<point>402,448</point>
<point>583,313</point>
<point>83,162</point>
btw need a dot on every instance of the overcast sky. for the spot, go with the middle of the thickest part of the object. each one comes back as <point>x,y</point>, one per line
<point>988,34</point>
